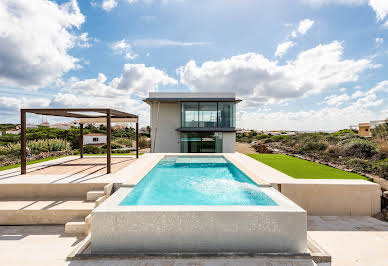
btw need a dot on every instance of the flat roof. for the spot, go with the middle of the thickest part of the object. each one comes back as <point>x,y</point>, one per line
<point>191,96</point>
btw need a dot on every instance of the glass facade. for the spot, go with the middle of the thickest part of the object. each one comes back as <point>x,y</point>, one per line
<point>226,114</point>
<point>189,114</point>
<point>208,114</point>
<point>199,142</point>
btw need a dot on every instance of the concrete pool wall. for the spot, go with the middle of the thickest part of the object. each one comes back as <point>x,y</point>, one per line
<point>196,229</point>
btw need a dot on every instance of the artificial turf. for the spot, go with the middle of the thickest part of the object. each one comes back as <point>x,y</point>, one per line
<point>299,168</point>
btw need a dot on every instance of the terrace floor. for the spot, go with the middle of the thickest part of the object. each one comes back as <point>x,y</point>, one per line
<point>70,169</point>
<point>350,241</point>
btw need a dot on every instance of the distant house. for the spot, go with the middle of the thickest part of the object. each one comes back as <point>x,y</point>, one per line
<point>62,126</point>
<point>94,139</point>
<point>364,129</point>
<point>13,131</point>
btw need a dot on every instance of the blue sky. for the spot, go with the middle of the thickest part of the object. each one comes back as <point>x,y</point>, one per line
<point>297,64</point>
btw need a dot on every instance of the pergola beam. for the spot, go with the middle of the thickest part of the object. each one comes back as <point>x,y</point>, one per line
<point>104,116</point>
<point>102,120</point>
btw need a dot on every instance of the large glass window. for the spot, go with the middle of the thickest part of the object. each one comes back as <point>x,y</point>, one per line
<point>226,114</point>
<point>189,114</point>
<point>199,142</point>
<point>207,114</point>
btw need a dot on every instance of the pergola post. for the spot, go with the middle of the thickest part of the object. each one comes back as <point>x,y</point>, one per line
<point>137,138</point>
<point>23,142</point>
<point>81,140</point>
<point>108,142</point>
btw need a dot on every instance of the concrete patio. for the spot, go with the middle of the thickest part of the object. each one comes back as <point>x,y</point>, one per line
<point>350,241</point>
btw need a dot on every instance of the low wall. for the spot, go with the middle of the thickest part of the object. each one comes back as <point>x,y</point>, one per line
<point>198,229</point>
<point>335,197</point>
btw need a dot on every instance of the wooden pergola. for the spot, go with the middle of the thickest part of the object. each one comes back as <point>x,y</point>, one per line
<point>101,115</point>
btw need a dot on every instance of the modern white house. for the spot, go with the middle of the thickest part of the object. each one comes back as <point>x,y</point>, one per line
<point>192,122</point>
<point>94,139</point>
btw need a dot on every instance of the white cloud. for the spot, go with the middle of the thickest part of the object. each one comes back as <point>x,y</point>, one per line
<point>13,104</point>
<point>125,48</point>
<point>337,100</point>
<point>327,118</point>
<point>35,37</point>
<point>283,48</point>
<point>305,25</point>
<point>379,41</point>
<point>108,5</point>
<point>135,80</point>
<point>380,7</point>
<point>261,81</point>
<point>166,42</point>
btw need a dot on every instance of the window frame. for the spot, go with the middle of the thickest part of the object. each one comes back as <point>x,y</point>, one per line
<point>182,123</point>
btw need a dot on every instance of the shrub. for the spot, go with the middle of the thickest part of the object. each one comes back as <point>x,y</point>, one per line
<point>11,149</point>
<point>333,149</point>
<point>261,148</point>
<point>267,140</point>
<point>383,146</point>
<point>124,150</point>
<point>48,145</point>
<point>90,149</point>
<point>280,138</point>
<point>360,165</point>
<point>124,141</point>
<point>144,143</point>
<point>345,131</point>
<point>381,168</point>
<point>113,146</point>
<point>359,148</point>
<point>314,146</point>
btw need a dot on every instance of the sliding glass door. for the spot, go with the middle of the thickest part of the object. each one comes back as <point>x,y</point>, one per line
<point>200,142</point>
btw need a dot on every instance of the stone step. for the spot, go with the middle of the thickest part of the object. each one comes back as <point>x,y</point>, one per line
<point>76,226</point>
<point>88,223</point>
<point>45,191</point>
<point>93,195</point>
<point>108,189</point>
<point>23,212</point>
<point>100,200</point>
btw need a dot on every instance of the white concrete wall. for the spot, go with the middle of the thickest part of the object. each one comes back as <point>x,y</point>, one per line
<point>228,142</point>
<point>164,137</point>
<point>323,198</point>
<point>330,197</point>
<point>89,140</point>
<point>198,229</point>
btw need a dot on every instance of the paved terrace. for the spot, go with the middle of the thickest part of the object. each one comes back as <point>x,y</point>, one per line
<point>70,169</point>
<point>350,240</point>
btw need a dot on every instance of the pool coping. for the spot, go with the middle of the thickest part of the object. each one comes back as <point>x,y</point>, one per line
<point>140,168</point>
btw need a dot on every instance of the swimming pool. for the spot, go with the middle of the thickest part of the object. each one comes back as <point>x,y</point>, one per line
<point>171,203</point>
<point>196,180</point>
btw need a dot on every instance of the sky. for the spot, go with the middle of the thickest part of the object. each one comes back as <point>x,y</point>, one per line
<point>296,64</point>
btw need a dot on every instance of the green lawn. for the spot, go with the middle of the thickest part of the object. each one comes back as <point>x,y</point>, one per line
<point>28,163</point>
<point>299,168</point>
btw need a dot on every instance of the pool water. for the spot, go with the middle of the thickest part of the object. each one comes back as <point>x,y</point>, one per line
<point>204,180</point>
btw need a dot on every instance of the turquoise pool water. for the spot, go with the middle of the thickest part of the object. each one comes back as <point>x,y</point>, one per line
<point>184,180</point>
